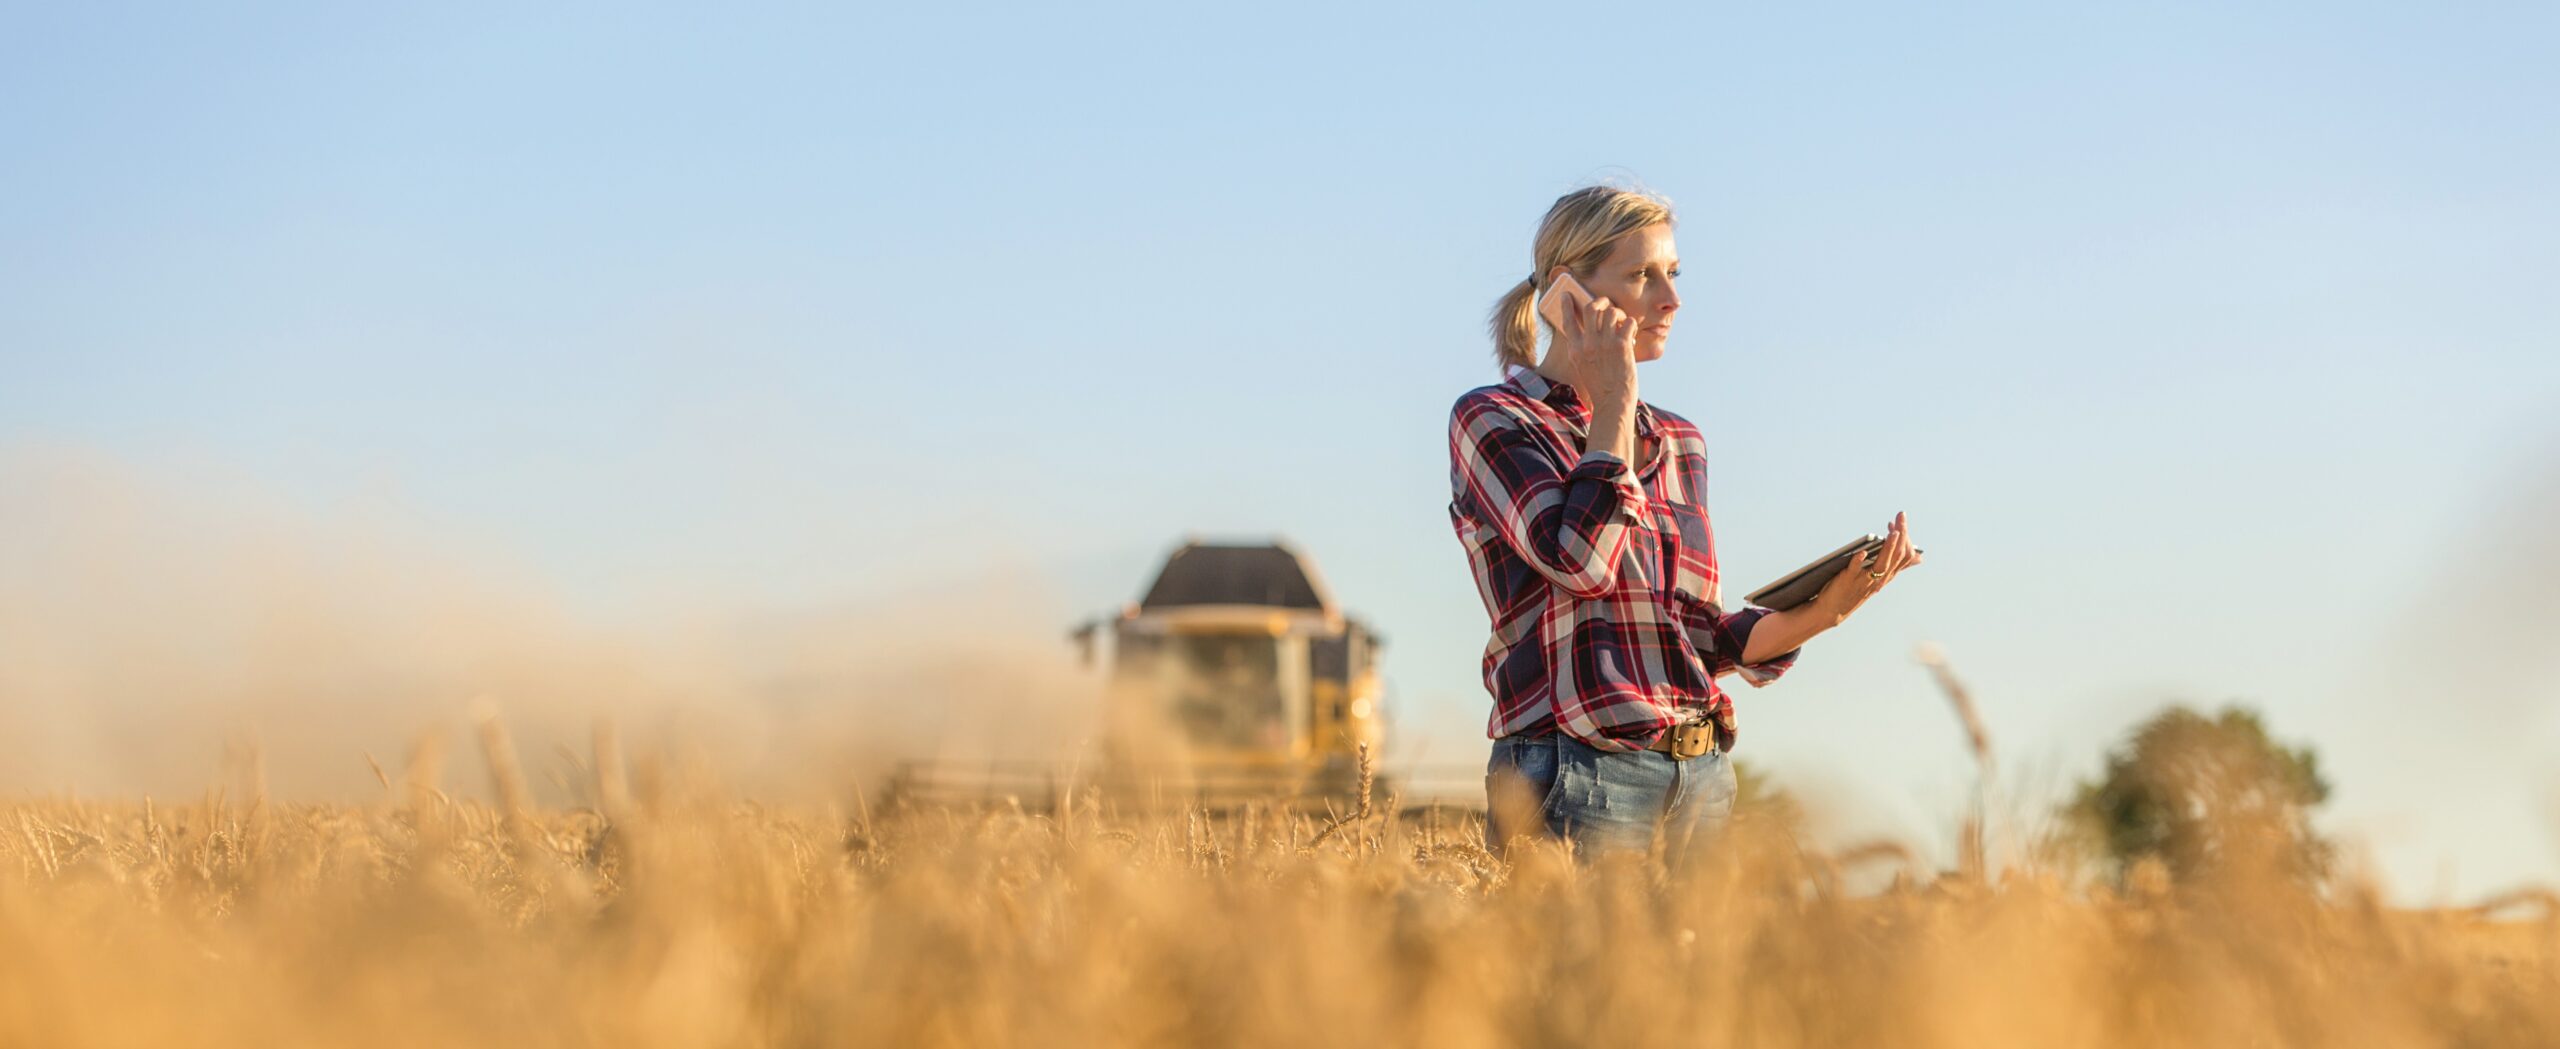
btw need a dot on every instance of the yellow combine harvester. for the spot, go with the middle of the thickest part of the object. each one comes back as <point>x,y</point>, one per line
<point>1235,679</point>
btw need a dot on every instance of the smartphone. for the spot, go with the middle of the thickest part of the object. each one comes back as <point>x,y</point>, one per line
<point>1551,304</point>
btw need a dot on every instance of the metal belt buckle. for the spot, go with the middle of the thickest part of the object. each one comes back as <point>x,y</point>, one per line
<point>1691,738</point>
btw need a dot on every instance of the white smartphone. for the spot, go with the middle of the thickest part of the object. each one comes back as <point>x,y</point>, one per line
<point>1551,304</point>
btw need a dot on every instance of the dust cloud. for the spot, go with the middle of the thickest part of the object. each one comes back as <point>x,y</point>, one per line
<point>151,624</point>
<point>2480,627</point>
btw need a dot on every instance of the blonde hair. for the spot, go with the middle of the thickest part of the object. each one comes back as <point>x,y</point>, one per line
<point>1576,234</point>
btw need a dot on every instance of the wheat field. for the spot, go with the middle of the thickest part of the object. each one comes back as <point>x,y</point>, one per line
<point>673,914</point>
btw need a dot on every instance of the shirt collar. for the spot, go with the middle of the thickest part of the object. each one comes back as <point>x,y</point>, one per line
<point>1564,398</point>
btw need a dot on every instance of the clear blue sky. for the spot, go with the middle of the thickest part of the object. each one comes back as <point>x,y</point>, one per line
<point>2211,347</point>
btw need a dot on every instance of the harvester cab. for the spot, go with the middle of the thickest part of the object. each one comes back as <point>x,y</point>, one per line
<point>1234,680</point>
<point>1237,661</point>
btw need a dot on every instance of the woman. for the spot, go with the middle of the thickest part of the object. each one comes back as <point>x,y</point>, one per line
<point>1583,511</point>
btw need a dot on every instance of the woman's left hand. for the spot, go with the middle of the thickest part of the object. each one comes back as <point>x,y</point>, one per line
<point>1867,574</point>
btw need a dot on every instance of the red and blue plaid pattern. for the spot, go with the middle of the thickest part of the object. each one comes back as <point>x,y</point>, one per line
<point>1608,614</point>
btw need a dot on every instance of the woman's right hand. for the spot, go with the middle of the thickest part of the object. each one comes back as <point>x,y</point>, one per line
<point>1600,340</point>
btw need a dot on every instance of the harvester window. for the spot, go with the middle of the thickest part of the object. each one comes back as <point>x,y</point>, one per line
<point>1226,691</point>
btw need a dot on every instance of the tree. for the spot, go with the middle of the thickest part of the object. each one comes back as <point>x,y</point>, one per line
<point>2204,794</point>
<point>1757,797</point>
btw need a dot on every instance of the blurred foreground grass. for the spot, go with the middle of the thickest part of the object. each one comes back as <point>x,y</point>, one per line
<point>692,919</point>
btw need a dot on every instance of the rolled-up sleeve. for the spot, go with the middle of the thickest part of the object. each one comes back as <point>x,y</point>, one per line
<point>1571,525</point>
<point>1722,637</point>
<point>1737,625</point>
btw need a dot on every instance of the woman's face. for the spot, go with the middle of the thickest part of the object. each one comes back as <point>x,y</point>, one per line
<point>1637,278</point>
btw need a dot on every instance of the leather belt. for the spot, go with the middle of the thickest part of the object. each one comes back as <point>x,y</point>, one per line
<point>1686,740</point>
<point>1669,742</point>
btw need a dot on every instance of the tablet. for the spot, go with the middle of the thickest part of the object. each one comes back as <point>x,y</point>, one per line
<point>1799,586</point>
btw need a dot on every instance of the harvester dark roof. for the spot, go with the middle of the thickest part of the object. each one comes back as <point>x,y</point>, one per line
<point>1242,574</point>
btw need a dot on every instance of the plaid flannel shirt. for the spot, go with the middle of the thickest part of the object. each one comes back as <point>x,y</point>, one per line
<point>1607,610</point>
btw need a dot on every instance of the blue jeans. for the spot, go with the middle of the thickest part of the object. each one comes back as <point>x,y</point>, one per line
<point>1601,800</point>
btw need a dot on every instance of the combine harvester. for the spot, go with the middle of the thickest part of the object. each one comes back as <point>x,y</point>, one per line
<point>1235,681</point>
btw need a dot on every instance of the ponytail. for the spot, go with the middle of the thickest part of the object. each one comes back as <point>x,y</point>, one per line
<point>1515,326</point>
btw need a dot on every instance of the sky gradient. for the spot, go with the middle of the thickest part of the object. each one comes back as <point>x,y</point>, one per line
<point>2211,351</point>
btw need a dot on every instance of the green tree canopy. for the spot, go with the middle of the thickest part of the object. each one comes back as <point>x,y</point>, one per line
<point>1758,797</point>
<point>2192,790</point>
